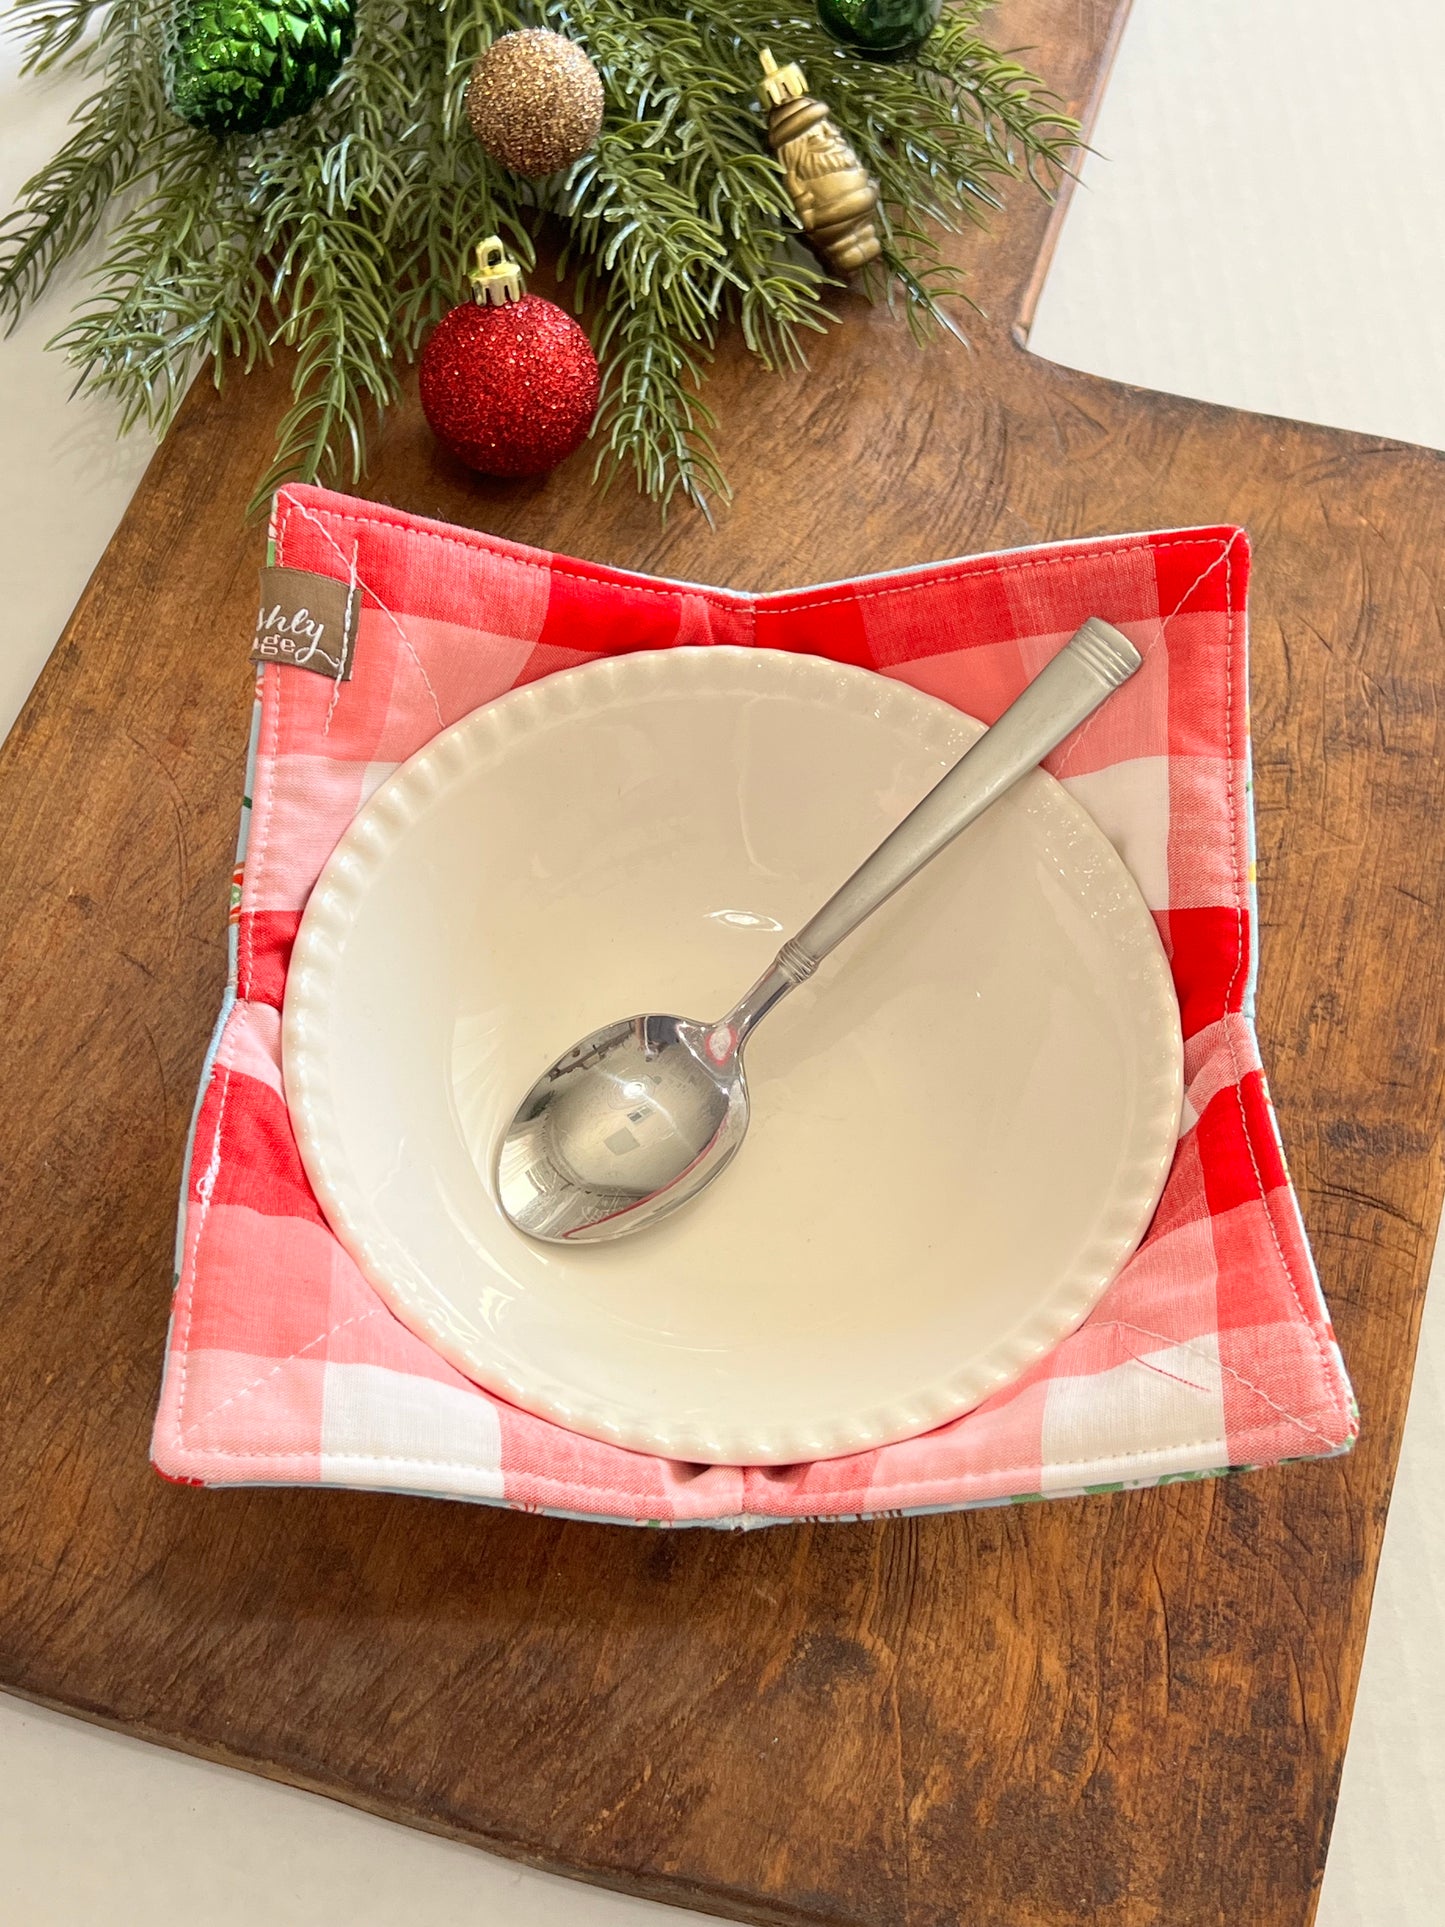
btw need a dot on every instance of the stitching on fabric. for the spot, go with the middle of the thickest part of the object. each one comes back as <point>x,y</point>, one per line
<point>1241,959</point>
<point>472,1465</point>
<point>263,806</point>
<point>1194,1346</point>
<point>406,642</point>
<point>357,1318</point>
<point>1175,1378</point>
<point>871,1491</point>
<point>347,644</point>
<point>1081,734</point>
<point>206,1189</point>
<point>1090,547</point>
<point>1225,552</point>
<point>1226,557</point>
<point>1111,1458</point>
<point>262,810</point>
<point>946,1480</point>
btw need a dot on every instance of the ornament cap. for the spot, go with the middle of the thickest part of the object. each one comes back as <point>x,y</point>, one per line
<point>780,84</point>
<point>496,279</point>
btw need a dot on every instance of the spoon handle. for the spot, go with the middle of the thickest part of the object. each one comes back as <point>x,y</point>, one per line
<point>1068,689</point>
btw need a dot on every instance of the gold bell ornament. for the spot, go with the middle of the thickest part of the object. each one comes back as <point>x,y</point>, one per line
<point>835,195</point>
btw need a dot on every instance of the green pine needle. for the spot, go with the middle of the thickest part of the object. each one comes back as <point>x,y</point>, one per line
<point>345,233</point>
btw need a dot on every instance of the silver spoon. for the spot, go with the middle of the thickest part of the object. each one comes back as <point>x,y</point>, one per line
<point>635,1119</point>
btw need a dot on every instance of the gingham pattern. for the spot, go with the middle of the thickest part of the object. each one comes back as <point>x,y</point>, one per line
<point>1212,1350</point>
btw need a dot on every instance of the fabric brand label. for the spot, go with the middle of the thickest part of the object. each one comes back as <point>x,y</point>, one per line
<point>307,621</point>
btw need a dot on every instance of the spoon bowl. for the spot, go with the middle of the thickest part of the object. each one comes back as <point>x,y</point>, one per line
<point>626,1126</point>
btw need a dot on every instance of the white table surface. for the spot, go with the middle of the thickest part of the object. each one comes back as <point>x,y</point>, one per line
<point>1260,162</point>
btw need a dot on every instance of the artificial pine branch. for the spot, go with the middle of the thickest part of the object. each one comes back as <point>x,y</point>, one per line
<point>651,417</point>
<point>345,233</point>
<point>122,132</point>
<point>51,32</point>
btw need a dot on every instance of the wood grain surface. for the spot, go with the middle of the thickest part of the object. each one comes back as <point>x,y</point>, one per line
<point>1123,1710</point>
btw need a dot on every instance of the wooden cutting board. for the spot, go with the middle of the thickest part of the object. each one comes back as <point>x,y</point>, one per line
<point>1119,1710</point>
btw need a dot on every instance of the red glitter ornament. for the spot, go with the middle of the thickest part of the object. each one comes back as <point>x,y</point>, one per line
<point>508,381</point>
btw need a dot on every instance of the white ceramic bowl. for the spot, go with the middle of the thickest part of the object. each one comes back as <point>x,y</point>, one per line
<point>639,835</point>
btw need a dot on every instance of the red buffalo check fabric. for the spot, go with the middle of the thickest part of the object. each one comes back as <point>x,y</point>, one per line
<point>1213,1348</point>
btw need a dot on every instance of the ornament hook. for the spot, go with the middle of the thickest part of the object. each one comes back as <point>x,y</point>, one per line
<point>496,279</point>
<point>780,84</point>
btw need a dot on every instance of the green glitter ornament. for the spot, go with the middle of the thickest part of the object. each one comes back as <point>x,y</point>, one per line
<point>237,66</point>
<point>880,29</point>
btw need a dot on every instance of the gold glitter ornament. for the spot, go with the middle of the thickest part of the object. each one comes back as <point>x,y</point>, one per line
<point>535,101</point>
<point>835,195</point>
